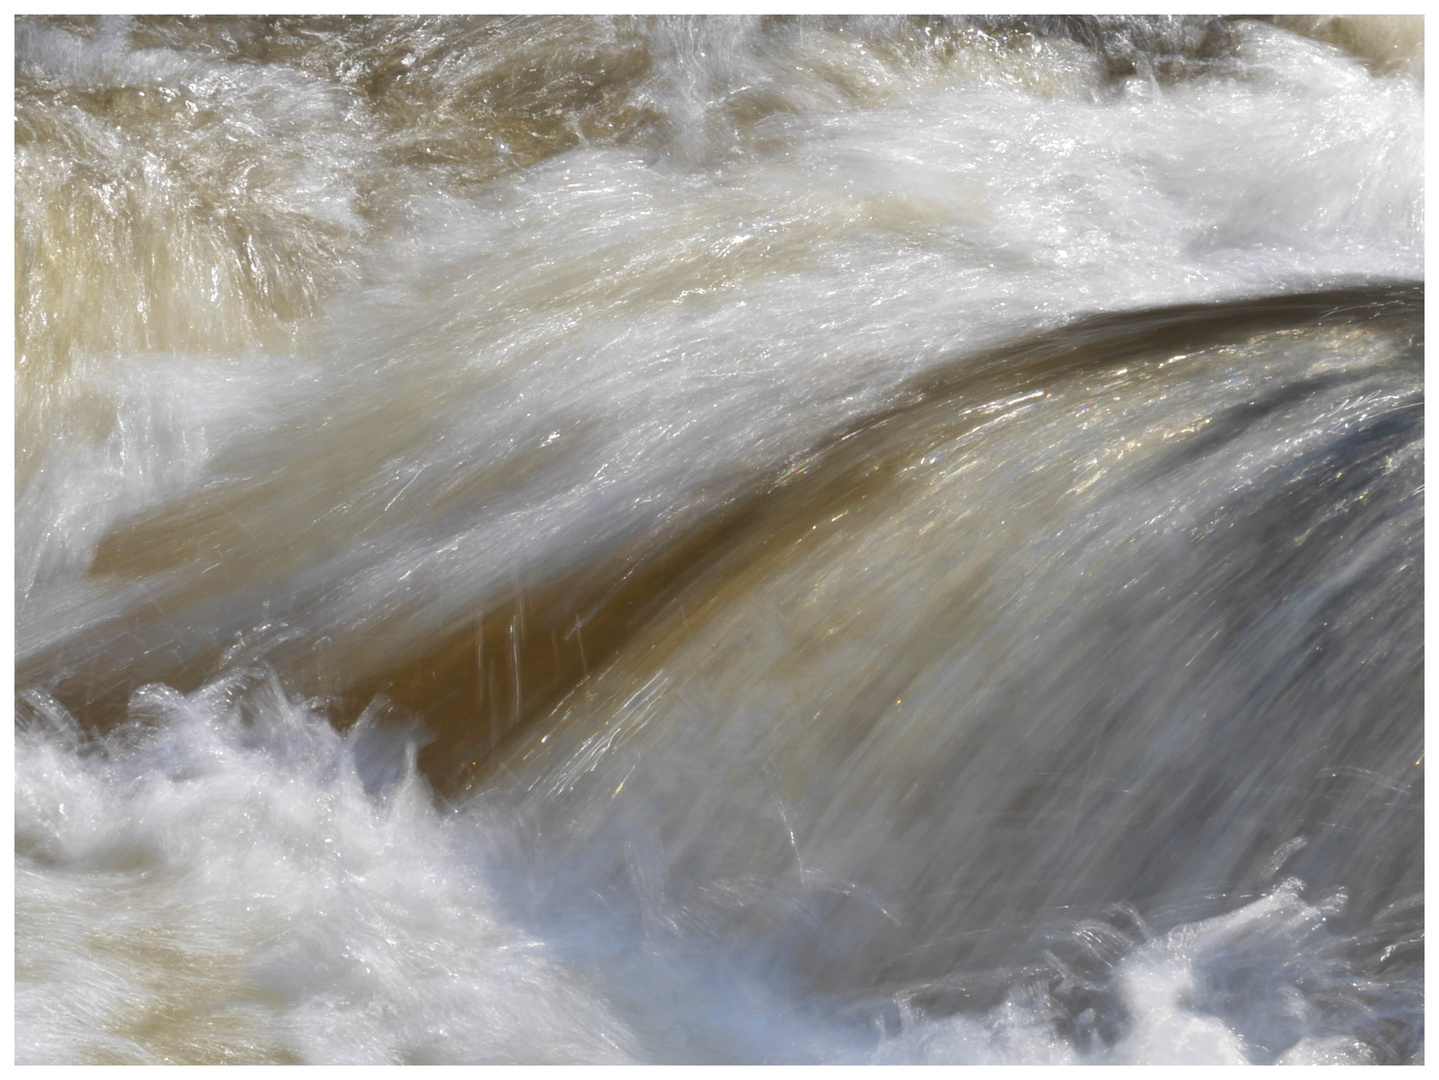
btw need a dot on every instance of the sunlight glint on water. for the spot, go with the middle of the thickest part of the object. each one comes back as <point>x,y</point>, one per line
<point>636,540</point>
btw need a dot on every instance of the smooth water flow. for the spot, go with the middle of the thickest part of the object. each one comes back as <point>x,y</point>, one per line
<point>650,540</point>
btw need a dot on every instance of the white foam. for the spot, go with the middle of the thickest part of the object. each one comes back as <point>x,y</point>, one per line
<point>229,878</point>
<point>1264,983</point>
<point>205,887</point>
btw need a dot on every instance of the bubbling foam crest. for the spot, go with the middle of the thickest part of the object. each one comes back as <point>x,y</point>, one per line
<point>276,889</point>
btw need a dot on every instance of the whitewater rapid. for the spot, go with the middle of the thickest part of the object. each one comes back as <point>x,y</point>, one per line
<point>728,539</point>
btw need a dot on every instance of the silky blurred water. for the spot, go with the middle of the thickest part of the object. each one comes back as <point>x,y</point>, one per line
<point>733,539</point>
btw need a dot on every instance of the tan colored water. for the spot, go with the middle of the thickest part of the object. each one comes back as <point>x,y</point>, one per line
<point>736,539</point>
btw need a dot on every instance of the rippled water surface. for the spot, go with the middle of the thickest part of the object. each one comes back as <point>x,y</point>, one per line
<point>719,540</point>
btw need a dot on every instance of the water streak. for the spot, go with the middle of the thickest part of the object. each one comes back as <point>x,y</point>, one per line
<point>734,539</point>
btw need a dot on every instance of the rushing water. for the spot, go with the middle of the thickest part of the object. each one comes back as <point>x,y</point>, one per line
<point>719,540</point>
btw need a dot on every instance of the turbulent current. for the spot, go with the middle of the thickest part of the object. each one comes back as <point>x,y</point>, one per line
<point>719,540</point>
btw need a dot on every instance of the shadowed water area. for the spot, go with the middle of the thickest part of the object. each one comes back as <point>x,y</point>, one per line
<point>720,540</point>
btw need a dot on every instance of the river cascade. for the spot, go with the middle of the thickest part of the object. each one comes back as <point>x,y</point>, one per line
<point>789,540</point>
